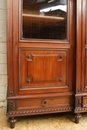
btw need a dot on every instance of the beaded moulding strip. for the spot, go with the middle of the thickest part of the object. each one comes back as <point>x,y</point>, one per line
<point>40,111</point>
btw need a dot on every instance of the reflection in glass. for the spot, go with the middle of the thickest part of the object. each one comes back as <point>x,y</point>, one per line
<point>44,19</point>
<point>86,23</point>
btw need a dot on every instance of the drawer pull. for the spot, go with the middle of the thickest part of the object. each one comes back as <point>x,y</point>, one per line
<point>44,103</point>
<point>60,79</point>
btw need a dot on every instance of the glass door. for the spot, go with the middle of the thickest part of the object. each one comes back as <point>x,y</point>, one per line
<point>44,43</point>
<point>44,19</point>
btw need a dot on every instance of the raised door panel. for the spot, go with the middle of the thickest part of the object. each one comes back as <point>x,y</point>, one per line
<point>44,71</point>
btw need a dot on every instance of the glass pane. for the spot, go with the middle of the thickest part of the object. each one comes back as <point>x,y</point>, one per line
<point>86,23</point>
<point>44,19</point>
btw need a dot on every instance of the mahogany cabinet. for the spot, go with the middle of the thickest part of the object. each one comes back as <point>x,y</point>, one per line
<point>47,55</point>
<point>81,59</point>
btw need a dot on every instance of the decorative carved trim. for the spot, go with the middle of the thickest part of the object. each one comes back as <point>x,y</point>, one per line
<point>29,79</point>
<point>12,105</point>
<point>29,57</point>
<point>78,90</point>
<point>60,57</point>
<point>41,111</point>
<point>60,79</point>
<point>11,93</point>
<point>81,109</point>
<point>78,101</point>
<point>85,86</point>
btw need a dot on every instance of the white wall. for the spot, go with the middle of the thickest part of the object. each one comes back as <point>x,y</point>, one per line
<point>3,52</point>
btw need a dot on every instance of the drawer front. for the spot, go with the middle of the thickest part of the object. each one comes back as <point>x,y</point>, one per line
<point>81,104</point>
<point>43,103</point>
<point>85,102</point>
<point>44,72</point>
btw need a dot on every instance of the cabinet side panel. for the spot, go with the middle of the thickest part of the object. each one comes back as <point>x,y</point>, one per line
<point>79,46</point>
<point>10,47</point>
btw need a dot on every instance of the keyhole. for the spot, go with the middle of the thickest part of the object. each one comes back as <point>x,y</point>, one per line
<point>45,102</point>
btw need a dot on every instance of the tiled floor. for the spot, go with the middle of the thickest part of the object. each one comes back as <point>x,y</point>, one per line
<point>62,121</point>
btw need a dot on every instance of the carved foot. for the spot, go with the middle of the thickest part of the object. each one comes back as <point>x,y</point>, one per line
<point>77,117</point>
<point>12,122</point>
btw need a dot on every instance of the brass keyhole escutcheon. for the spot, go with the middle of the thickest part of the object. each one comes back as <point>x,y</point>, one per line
<point>44,102</point>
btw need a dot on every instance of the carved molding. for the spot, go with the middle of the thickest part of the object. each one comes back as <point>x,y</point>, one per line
<point>11,93</point>
<point>29,57</point>
<point>60,79</point>
<point>86,86</point>
<point>41,111</point>
<point>60,57</point>
<point>81,109</point>
<point>29,79</point>
<point>12,105</point>
<point>78,101</point>
<point>78,90</point>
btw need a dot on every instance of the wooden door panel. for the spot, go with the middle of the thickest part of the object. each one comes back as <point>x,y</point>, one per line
<point>41,79</point>
<point>43,69</point>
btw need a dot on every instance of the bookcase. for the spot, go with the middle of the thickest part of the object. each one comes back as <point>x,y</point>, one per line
<point>43,42</point>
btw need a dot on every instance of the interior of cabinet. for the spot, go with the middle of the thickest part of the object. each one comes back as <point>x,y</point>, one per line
<point>44,20</point>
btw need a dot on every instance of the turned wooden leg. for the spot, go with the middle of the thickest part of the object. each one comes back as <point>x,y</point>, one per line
<point>12,122</point>
<point>77,117</point>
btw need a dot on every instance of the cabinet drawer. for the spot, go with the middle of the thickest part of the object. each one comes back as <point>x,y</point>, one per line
<point>84,101</point>
<point>42,103</point>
